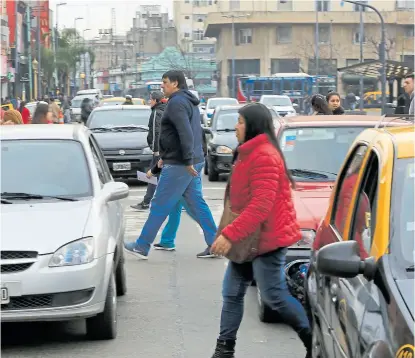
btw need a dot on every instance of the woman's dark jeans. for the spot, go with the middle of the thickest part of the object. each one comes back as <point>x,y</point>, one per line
<point>268,271</point>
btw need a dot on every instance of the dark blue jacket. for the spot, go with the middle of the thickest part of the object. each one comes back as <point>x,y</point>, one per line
<point>181,132</point>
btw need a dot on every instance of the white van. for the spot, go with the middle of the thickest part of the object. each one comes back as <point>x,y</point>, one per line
<point>92,91</point>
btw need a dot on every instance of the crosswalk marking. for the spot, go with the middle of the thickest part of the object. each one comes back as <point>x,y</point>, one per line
<point>135,220</point>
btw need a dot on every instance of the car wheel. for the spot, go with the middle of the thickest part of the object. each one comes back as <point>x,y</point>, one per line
<point>265,313</point>
<point>212,174</point>
<point>120,276</point>
<point>205,169</point>
<point>253,283</point>
<point>104,325</point>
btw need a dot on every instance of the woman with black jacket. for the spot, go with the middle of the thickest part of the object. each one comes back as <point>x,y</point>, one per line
<point>333,101</point>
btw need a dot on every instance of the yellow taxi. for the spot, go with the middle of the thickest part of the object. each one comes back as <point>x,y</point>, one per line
<point>360,284</point>
<point>6,107</point>
<point>114,101</point>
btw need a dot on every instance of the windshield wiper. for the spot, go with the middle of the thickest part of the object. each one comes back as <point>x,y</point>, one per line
<point>226,130</point>
<point>4,201</point>
<point>29,196</point>
<point>305,173</point>
<point>130,128</point>
<point>101,129</point>
<point>410,268</point>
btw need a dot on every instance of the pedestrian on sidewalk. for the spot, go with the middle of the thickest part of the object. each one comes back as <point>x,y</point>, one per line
<point>154,125</point>
<point>260,192</point>
<point>182,161</point>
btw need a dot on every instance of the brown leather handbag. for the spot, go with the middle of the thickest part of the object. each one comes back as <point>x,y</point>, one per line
<point>242,251</point>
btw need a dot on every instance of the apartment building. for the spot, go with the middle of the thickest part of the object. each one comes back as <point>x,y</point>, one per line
<point>189,17</point>
<point>281,36</point>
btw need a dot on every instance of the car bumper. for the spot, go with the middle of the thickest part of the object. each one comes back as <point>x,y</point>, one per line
<point>220,163</point>
<point>137,163</point>
<point>42,293</point>
<point>296,253</point>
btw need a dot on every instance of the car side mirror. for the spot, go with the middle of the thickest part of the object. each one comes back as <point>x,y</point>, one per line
<point>203,107</point>
<point>342,259</point>
<point>207,130</point>
<point>295,105</point>
<point>113,191</point>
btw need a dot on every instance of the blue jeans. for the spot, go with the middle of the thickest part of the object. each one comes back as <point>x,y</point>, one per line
<point>268,271</point>
<point>168,235</point>
<point>174,183</point>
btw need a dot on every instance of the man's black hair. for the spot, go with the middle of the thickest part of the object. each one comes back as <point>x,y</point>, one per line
<point>176,76</point>
<point>411,75</point>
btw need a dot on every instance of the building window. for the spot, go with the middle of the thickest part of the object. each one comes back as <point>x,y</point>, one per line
<point>356,38</point>
<point>408,31</point>
<point>187,17</point>
<point>285,5</point>
<point>187,34</point>
<point>198,35</point>
<point>322,5</point>
<point>234,5</point>
<point>405,4</point>
<point>199,17</point>
<point>357,7</point>
<point>186,1</point>
<point>285,65</point>
<point>284,34</point>
<point>325,67</point>
<point>351,62</point>
<point>245,67</point>
<point>244,36</point>
<point>323,33</point>
<point>200,3</point>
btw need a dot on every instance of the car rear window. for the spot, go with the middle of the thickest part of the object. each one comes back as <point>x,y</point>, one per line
<point>119,117</point>
<point>321,150</point>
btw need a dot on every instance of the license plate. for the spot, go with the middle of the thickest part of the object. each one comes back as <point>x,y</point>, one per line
<point>121,166</point>
<point>5,299</point>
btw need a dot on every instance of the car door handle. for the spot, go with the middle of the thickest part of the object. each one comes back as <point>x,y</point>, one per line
<point>334,288</point>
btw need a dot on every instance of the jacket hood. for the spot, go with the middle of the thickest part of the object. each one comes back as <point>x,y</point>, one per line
<point>160,106</point>
<point>189,95</point>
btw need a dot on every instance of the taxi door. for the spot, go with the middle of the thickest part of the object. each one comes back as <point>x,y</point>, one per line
<point>351,297</point>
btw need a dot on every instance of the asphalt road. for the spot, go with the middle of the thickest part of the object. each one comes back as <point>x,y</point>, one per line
<point>172,307</point>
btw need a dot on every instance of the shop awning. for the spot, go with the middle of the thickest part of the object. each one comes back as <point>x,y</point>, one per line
<point>394,69</point>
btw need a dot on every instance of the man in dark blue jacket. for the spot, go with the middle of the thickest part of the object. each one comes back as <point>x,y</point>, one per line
<point>182,159</point>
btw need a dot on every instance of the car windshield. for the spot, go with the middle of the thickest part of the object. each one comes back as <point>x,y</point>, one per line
<point>119,118</point>
<point>316,153</point>
<point>402,214</point>
<point>213,103</point>
<point>276,101</point>
<point>76,102</point>
<point>45,167</point>
<point>120,102</point>
<point>226,120</point>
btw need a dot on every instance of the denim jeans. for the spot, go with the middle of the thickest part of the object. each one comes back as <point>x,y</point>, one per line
<point>151,188</point>
<point>168,235</point>
<point>268,271</point>
<point>174,183</point>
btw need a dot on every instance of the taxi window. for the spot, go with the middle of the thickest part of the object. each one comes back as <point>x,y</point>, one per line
<point>403,211</point>
<point>364,217</point>
<point>345,188</point>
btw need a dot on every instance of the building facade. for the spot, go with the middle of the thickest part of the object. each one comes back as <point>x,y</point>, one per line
<point>281,36</point>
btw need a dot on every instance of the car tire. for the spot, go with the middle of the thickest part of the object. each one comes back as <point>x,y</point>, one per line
<point>120,276</point>
<point>265,313</point>
<point>205,169</point>
<point>104,325</point>
<point>212,174</point>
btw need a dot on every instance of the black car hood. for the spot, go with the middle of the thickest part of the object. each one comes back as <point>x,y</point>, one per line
<point>125,140</point>
<point>225,138</point>
<point>406,288</point>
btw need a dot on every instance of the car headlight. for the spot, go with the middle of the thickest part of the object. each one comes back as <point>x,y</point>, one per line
<point>147,150</point>
<point>223,149</point>
<point>78,252</point>
<point>307,237</point>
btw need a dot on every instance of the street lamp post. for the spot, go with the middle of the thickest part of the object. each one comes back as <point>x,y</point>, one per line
<point>382,50</point>
<point>85,78</point>
<point>317,49</point>
<point>35,67</point>
<point>233,17</point>
<point>361,87</point>
<point>57,40</point>
<point>76,44</point>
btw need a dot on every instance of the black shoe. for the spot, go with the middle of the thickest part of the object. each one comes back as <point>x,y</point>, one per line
<point>206,254</point>
<point>164,247</point>
<point>141,206</point>
<point>306,338</point>
<point>224,349</point>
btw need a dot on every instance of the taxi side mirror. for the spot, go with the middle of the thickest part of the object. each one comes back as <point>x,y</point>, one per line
<point>342,259</point>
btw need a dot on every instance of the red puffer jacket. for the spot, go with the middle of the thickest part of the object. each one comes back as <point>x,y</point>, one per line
<point>260,192</point>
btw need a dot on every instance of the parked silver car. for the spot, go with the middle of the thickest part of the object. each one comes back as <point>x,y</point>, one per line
<point>62,229</point>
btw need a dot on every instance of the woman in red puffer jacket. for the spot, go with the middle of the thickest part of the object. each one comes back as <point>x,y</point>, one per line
<point>260,192</point>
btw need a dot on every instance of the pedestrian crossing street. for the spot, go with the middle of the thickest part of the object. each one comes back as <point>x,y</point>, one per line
<point>134,219</point>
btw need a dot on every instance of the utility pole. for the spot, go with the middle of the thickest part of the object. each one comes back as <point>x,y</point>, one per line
<point>316,51</point>
<point>382,50</point>
<point>16,55</point>
<point>29,51</point>
<point>361,88</point>
<point>39,57</point>
<point>56,42</point>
